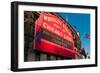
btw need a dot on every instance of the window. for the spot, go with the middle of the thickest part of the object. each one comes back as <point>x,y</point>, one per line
<point>37,56</point>
<point>43,57</point>
<point>48,57</point>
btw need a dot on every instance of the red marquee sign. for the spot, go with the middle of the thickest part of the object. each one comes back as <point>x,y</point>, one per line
<point>56,26</point>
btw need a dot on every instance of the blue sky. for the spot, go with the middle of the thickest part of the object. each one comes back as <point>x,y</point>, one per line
<point>81,23</point>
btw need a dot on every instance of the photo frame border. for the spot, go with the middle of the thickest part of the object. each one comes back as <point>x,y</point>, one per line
<point>14,35</point>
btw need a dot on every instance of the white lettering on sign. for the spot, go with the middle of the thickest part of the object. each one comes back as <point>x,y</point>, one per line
<point>56,26</point>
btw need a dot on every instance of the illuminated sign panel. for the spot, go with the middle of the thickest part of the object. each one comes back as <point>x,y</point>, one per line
<point>55,25</point>
<point>53,36</point>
